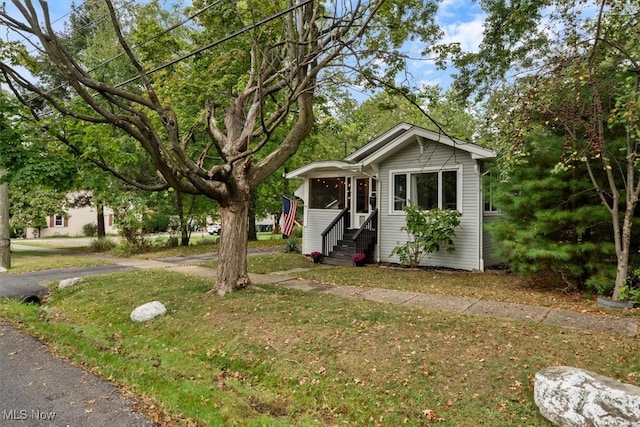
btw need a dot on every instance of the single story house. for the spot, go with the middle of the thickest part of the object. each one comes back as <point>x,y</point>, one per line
<point>71,222</point>
<point>356,204</point>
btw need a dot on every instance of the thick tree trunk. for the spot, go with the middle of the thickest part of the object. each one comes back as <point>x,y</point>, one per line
<point>253,234</point>
<point>5,231</point>
<point>100,220</point>
<point>232,257</point>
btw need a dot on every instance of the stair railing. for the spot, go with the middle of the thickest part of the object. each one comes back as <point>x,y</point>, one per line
<point>367,233</point>
<point>335,231</point>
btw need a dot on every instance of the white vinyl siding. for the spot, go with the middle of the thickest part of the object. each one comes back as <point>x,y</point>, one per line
<point>316,221</point>
<point>433,156</point>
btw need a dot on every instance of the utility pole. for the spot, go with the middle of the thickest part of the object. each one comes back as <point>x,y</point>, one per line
<point>5,236</point>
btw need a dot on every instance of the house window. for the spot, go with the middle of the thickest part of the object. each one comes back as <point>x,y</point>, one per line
<point>58,221</point>
<point>399,192</point>
<point>429,190</point>
<point>488,189</point>
<point>326,193</point>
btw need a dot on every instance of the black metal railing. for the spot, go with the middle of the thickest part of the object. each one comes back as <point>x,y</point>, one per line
<point>366,234</point>
<point>335,231</point>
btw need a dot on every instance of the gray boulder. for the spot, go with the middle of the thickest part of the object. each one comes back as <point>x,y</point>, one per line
<point>570,396</point>
<point>148,311</point>
<point>66,283</point>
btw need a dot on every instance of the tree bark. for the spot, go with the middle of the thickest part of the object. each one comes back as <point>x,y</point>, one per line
<point>100,221</point>
<point>5,232</point>
<point>232,272</point>
<point>253,234</point>
<point>622,270</point>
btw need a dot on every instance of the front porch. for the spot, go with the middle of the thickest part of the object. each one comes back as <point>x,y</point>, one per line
<point>340,242</point>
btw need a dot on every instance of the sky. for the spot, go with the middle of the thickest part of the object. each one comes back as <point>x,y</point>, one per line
<point>461,21</point>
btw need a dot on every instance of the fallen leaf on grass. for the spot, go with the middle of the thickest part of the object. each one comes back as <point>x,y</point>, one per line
<point>429,414</point>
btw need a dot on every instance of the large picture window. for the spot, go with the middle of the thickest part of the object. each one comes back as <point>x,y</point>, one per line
<point>429,190</point>
<point>326,193</point>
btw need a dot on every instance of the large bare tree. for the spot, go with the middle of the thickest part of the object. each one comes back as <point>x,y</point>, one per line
<point>293,48</point>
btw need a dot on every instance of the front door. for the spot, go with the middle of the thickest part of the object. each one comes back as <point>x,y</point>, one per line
<point>365,189</point>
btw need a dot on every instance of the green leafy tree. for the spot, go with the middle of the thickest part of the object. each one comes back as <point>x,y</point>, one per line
<point>552,225</point>
<point>207,125</point>
<point>29,207</point>
<point>582,82</point>
<point>428,231</point>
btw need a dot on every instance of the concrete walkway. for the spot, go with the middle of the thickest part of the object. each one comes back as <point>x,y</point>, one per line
<point>471,306</point>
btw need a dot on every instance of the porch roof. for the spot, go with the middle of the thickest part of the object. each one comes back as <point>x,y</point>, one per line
<point>323,166</point>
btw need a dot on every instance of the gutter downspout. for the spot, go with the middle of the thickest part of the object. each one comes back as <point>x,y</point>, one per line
<point>480,219</point>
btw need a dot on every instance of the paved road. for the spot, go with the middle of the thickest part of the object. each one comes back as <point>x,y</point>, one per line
<point>38,389</point>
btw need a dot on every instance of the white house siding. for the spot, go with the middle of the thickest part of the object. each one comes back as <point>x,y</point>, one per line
<point>490,247</point>
<point>315,223</point>
<point>467,250</point>
<point>76,219</point>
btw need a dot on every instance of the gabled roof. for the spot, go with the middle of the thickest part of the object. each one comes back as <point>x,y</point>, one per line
<point>382,149</point>
<point>380,141</point>
<point>387,144</point>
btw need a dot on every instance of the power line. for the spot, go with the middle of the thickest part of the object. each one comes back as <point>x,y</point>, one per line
<point>155,36</point>
<point>220,41</point>
<point>161,33</point>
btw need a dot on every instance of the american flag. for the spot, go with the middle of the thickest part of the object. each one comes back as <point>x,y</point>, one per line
<point>288,218</point>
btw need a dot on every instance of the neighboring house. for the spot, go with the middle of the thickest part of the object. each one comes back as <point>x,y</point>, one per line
<point>355,204</point>
<point>71,222</point>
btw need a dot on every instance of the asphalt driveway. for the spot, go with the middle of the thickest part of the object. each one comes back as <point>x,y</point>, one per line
<point>38,389</point>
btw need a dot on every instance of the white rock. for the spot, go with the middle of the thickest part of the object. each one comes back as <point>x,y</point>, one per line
<point>570,396</point>
<point>69,282</point>
<point>148,311</point>
<point>3,270</point>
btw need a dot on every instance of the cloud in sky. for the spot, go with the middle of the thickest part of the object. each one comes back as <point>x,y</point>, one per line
<point>467,33</point>
<point>462,22</point>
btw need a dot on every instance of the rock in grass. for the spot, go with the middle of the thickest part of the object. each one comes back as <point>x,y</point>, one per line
<point>148,311</point>
<point>66,283</point>
<point>570,396</point>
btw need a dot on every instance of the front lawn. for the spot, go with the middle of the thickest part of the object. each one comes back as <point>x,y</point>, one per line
<point>273,262</point>
<point>203,245</point>
<point>25,261</point>
<point>498,286</point>
<point>277,357</point>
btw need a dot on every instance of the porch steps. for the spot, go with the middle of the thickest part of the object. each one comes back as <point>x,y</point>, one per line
<point>344,250</point>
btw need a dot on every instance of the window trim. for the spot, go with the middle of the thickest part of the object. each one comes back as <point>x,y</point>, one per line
<point>484,175</point>
<point>55,221</point>
<point>409,172</point>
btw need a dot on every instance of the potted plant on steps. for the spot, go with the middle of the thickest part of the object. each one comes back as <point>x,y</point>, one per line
<point>359,259</point>
<point>316,256</point>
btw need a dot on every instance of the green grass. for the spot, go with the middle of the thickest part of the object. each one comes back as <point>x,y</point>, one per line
<point>204,244</point>
<point>497,286</point>
<point>273,262</point>
<point>26,261</point>
<point>278,357</point>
